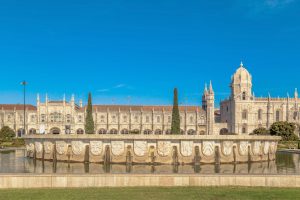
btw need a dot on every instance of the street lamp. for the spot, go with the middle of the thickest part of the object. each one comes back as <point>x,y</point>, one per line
<point>24,83</point>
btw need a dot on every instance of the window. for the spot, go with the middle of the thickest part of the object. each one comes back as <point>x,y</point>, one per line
<point>168,132</point>
<point>68,118</point>
<point>277,115</point>
<point>21,118</point>
<point>113,119</point>
<point>191,132</point>
<point>43,118</point>
<point>244,96</point>
<point>182,132</point>
<point>158,132</point>
<point>32,131</point>
<point>56,117</point>
<point>147,132</point>
<point>79,118</point>
<point>191,119</point>
<point>244,114</point>
<point>102,118</point>
<point>80,131</point>
<point>147,119</point>
<point>158,119</point>
<point>259,114</point>
<point>113,131</point>
<point>125,119</point>
<point>102,131</point>
<point>124,131</point>
<point>295,116</point>
<point>202,132</point>
<point>9,118</point>
<point>244,128</point>
<point>32,118</point>
<point>136,119</point>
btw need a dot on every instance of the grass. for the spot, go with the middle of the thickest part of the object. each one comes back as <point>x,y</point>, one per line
<point>153,193</point>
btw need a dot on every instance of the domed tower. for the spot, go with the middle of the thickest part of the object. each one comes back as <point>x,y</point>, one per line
<point>241,84</point>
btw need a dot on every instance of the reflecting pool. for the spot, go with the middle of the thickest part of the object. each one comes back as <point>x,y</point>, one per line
<point>15,162</point>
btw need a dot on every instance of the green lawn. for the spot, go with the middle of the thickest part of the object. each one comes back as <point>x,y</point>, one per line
<point>180,193</point>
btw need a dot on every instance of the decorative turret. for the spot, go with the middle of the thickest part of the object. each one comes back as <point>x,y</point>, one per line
<point>204,96</point>
<point>37,99</point>
<point>296,93</point>
<point>80,103</point>
<point>208,104</point>
<point>46,99</point>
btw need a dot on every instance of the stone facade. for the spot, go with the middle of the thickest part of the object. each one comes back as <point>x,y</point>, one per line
<point>241,113</point>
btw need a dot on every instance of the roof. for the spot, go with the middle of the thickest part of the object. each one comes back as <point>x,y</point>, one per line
<point>17,107</point>
<point>143,108</point>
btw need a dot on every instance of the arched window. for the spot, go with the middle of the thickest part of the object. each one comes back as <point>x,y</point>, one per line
<point>147,119</point>
<point>224,131</point>
<point>55,131</point>
<point>102,131</point>
<point>56,117</point>
<point>202,132</point>
<point>136,118</point>
<point>147,132</point>
<point>168,132</point>
<point>124,131</point>
<point>113,131</point>
<point>125,119</point>
<point>244,114</point>
<point>244,96</point>
<point>158,132</point>
<point>244,128</point>
<point>68,118</point>
<point>277,115</point>
<point>102,119</point>
<point>20,132</point>
<point>80,131</point>
<point>182,132</point>
<point>259,116</point>
<point>191,132</point>
<point>135,131</point>
<point>32,131</point>
<point>113,119</point>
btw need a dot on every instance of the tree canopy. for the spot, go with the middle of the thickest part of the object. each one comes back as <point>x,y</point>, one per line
<point>89,121</point>
<point>7,134</point>
<point>284,129</point>
<point>175,127</point>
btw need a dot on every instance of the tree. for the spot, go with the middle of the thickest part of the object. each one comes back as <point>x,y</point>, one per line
<point>7,134</point>
<point>284,129</point>
<point>89,122</point>
<point>175,127</point>
<point>260,131</point>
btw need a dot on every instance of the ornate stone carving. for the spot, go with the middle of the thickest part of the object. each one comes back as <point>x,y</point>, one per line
<point>96,147</point>
<point>273,146</point>
<point>140,148</point>
<point>38,147</point>
<point>164,148</point>
<point>30,147</point>
<point>266,147</point>
<point>208,148</point>
<point>227,147</point>
<point>77,147</point>
<point>243,148</point>
<point>187,148</point>
<point>117,147</point>
<point>48,147</point>
<point>256,148</point>
<point>61,147</point>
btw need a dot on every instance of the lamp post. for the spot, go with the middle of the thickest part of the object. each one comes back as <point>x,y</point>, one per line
<point>24,83</point>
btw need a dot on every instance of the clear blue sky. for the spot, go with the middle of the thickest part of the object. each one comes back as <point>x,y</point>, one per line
<point>126,51</point>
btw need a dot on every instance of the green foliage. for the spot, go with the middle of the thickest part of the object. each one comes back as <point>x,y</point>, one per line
<point>175,127</point>
<point>7,134</point>
<point>17,142</point>
<point>89,121</point>
<point>260,131</point>
<point>284,129</point>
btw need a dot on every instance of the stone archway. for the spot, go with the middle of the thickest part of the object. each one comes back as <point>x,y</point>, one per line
<point>55,131</point>
<point>224,131</point>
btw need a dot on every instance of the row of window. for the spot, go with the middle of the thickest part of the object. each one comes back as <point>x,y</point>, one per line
<point>260,113</point>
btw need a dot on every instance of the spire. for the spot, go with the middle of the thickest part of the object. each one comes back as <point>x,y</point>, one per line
<point>241,65</point>
<point>80,103</point>
<point>210,88</point>
<point>38,98</point>
<point>64,98</point>
<point>296,93</point>
<point>205,89</point>
<point>47,98</point>
<point>73,98</point>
